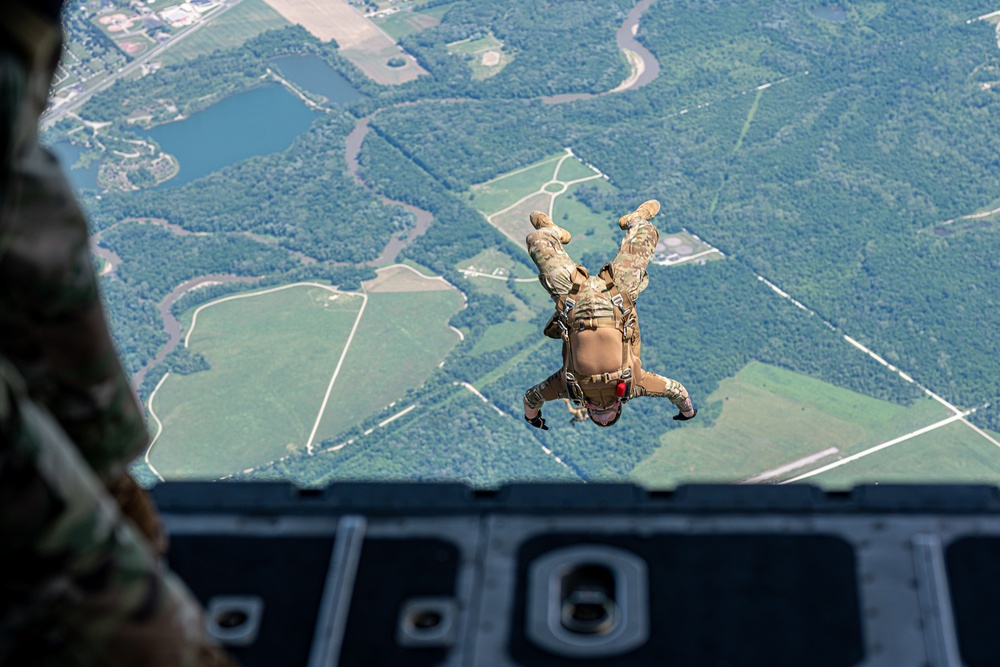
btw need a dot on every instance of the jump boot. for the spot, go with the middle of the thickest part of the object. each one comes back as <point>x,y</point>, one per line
<point>540,220</point>
<point>646,211</point>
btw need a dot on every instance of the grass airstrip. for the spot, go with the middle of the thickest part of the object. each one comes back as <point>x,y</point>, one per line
<point>280,378</point>
<point>776,426</point>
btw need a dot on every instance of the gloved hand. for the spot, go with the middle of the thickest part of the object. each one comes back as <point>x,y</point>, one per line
<point>537,422</point>
<point>681,418</point>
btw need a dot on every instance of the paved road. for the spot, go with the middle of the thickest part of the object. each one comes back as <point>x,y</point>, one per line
<point>54,115</point>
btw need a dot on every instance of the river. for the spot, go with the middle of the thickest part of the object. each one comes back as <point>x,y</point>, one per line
<point>643,64</point>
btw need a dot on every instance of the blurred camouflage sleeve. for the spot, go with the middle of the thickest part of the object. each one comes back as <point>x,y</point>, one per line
<point>78,585</point>
<point>52,322</point>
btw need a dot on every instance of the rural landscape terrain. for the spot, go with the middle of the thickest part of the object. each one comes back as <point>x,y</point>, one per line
<point>309,221</point>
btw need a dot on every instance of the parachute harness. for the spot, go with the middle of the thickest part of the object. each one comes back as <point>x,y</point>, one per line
<point>624,320</point>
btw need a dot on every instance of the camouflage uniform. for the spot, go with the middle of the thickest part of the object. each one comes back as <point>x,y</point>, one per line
<point>79,585</point>
<point>593,309</point>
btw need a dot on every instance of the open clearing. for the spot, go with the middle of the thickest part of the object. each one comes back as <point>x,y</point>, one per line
<point>280,378</point>
<point>400,341</point>
<point>360,40</point>
<point>485,56</point>
<point>405,23</point>
<point>772,417</point>
<point>271,356</point>
<point>549,185</point>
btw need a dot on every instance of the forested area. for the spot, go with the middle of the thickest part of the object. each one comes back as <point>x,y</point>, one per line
<point>302,197</point>
<point>833,182</point>
<point>156,260</point>
<point>458,232</point>
<point>557,47</point>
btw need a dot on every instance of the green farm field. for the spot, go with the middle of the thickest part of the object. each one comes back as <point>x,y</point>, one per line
<point>772,418</point>
<point>273,356</point>
<point>952,454</point>
<point>401,339</point>
<point>406,23</point>
<point>244,21</point>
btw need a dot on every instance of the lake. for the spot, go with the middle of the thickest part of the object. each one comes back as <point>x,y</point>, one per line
<point>68,154</point>
<point>264,120</point>
<point>260,121</point>
<point>313,74</point>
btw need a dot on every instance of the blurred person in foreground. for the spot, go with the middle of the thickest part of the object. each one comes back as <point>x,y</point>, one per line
<point>81,580</point>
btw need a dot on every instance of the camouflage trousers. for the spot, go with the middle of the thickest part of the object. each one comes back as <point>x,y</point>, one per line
<point>556,268</point>
<point>79,585</point>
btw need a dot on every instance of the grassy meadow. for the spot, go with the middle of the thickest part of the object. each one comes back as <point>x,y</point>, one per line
<point>272,357</point>
<point>401,340</point>
<point>772,417</point>
<point>508,200</point>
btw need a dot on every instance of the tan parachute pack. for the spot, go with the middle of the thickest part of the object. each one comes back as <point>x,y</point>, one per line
<point>601,389</point>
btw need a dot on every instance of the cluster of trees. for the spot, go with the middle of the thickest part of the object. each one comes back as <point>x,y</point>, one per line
<point>464,142</point>
<point>155,260</point>
<point>458,232</point>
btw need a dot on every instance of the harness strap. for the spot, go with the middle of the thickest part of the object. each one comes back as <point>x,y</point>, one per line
<point>607,378</point>
<point>573,387</point>
<point>565,302</point>
<point>594,323</point>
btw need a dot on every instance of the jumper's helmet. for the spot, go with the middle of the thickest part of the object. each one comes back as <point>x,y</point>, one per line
<point>604,415</point>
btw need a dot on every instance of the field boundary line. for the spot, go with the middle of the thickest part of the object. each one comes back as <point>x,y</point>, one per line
<point>789,467</point>
<point>396,416</point>
<point>422,275</point>
<point>521,170</point>
<point>884,445</point>
<point>898,371</point>
<point>554,179</point>
<point>480,395</point>
<point>336,372</point>
<point>233,297</point>
<point>159,426</point>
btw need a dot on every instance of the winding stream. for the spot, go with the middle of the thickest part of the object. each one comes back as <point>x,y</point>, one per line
<point>401,239</point>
